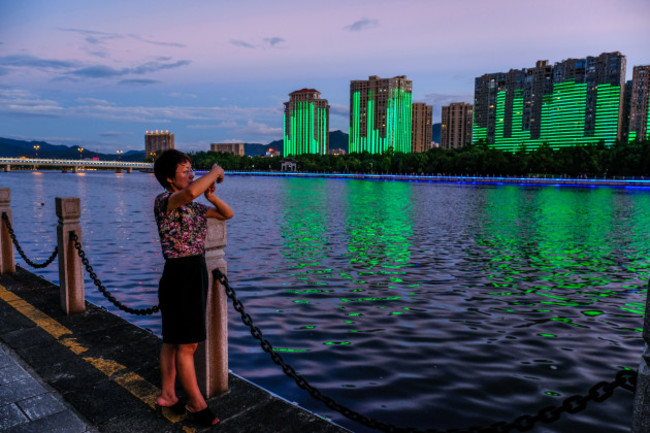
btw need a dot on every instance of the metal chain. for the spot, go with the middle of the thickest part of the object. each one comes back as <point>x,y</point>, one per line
<point>100,286</point>
<point>626,379</point>
<point>12,234</point>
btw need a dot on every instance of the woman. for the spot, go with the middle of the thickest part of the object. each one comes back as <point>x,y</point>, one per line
<point>182,293</point>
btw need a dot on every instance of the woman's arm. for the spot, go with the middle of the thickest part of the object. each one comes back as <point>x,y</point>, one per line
<point>221,210</point>
<point>195,188</point>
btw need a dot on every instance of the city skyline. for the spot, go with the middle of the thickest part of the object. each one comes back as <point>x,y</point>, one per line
<point>101,75</point>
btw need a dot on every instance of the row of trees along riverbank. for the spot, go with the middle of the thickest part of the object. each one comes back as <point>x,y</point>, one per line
<point>594,160</point>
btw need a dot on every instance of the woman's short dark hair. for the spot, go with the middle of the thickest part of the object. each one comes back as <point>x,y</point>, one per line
<point>166,165</point>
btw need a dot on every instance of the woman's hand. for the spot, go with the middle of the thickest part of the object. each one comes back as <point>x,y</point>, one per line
<point>210,191</point>
<point>221,173</point>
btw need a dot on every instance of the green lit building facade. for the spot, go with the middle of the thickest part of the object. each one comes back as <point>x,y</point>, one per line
<point>306,123</point>
<point>380,115</point>
<point>574,102</point>
<point>639,121</point>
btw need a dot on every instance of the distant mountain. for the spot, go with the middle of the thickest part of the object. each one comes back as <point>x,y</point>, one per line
<point>436,132</point>
<point>17,148</point>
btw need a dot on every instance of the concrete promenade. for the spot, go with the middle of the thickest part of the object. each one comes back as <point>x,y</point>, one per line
<point>95,372</point>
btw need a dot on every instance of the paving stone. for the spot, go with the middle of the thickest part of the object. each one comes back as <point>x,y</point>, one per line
<point>41,406</point>
<point>25,337</point>
<point>11,321</point>
<point>106,400</point>
<point>241,394</point>
<point>19,384</point>
<point>61,422</point>
<point>5,360</point>
<point>11,415</point>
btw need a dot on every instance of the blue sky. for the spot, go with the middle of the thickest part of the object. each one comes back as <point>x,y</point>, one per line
<point>100,73</point>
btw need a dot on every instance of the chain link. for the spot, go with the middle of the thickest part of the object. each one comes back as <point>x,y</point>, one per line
<point>626,379</point>
<point>100,286</point>
<point>12,234</point>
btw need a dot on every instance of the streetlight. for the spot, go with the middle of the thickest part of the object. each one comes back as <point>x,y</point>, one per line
<point>36,147</point>
<point>119,155</point>
<point>80,149</point>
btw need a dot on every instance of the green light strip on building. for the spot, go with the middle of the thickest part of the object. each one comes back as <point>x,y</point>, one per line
<point>607,109</point>
<point>378,136</point>
<point>307,130</point>
<point>563,118</point>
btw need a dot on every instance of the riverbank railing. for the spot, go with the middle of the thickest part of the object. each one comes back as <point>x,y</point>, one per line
<point>212,355</point>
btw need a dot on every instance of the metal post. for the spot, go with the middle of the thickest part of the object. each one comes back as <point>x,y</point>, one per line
<point>641,408</point>
<point>212,356</point>
<point>70,271</point>
<point>7,259</point>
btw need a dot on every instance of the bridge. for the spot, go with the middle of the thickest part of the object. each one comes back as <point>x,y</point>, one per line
<point>74,165</point>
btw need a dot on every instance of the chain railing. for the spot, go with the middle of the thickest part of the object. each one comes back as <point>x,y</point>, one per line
<point>626,379</point>
<point>600,392</point>
<point>82,255</point>
<point>12,234</point>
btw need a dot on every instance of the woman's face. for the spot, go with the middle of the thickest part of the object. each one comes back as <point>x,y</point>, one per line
<point>184,176</point>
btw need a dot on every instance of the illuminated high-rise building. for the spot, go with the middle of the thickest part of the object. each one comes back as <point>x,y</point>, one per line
<point>456,126</point>
<point>639,128</point>
<point>155,142</point>
<point>306,123</point>
<point>421,132</point>
<point>380,114</point>
<point>576,101</point>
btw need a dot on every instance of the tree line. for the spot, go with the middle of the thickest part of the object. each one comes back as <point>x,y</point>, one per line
<point>592,160</point>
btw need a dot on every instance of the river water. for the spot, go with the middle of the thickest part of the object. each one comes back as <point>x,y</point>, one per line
<point>419,304</point>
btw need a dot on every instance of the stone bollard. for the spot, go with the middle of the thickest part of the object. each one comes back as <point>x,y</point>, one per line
<point>71,278</point>
<point>7,258</point>
<point>212,356</point>
<point>641,408</point>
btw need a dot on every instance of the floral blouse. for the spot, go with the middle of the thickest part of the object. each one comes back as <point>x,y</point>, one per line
<point>183,230</point>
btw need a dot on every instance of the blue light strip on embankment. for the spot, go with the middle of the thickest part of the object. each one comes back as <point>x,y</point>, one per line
<point>625,183</point>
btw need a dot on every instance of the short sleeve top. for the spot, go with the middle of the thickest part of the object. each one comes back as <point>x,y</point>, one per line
<point>183,230</point>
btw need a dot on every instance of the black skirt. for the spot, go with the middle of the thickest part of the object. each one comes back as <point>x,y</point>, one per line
<point>182,294</point>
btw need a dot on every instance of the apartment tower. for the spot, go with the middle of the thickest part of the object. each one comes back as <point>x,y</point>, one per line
<point>639,128</point>
<point>421,132</point>
<point>456,127</point>
<point>306,123</point>
<point>233,148</point>
<point>380,114</point>
<point>574,102</point>
<point>155,142</point>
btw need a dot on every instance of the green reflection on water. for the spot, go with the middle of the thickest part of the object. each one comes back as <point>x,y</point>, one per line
<point>379,226</point>
<point>305,219</point>
<point>580,245</point>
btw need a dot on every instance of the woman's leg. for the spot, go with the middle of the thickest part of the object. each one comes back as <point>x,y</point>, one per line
<point>187,376</point>
<point>168,375</point>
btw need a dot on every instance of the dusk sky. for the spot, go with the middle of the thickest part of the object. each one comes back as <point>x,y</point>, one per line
<point>98,74</point>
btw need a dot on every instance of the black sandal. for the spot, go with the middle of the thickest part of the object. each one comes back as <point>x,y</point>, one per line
<point>204,417</point>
